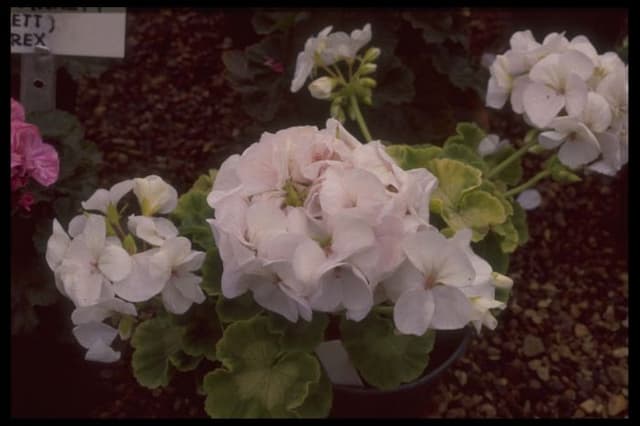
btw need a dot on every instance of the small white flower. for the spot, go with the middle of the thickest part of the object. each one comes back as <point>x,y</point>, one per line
<point>558,81</point>
<point>176,262</point>
<point>91,263</point>
<point>155,196</point>
<point>491,144</point>
<point>427,287</point>
<point>306,59</point>
<point>529,199</point>
<point>101,199</point>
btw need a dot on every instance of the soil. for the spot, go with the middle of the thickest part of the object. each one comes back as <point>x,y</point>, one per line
<point>561,347</point>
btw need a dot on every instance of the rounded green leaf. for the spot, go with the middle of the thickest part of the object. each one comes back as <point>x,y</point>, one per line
<point>202,330</point>
<point>468,134</point>
<point>258,378</point>
<point>479,209</point>
<point>384,358</point>
<point>270,389</point>
<point>302,335</point>
<point>318,403</point>
<point>412,156</point>
<point>509,239</point>
<point>239,308</point>
<point>154,341</point>
<point>183,362</point>
<point>454,178</point>
<point>460,152</point>
<point>212,273</point>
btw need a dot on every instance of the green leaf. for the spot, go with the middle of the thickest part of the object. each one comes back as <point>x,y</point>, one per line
<point>183,362</point>
<point>154,341</point>
<point>559,172</point>
<point>519,220</point>
<point>479,208</point>
<point>258,380</point>
<point>395,85</point>
<point>273,389</point>
<point>239,308</point>
<point>202,330</point>
<point>191,215</point>
<point>508,236</point>
<point>212,273</point>
<point>384,358</point>
<point>468,134</point>
<point>237,65</point>
<point>204,183</point>
<point>454,178</point>
<point>510,175</point>
<point>318,403</point>
<point>303,335</point>
<point>489,250</point>
<point>413,157</point>
<point>460,152</point>
<point>125,326</point>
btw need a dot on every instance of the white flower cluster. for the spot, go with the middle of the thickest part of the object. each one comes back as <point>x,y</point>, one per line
<point>310,219</point>
<point>326,49</point>
<point>94,270</point>
<point>564,86</point>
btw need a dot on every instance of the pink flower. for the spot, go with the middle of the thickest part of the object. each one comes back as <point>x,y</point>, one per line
<point>26,201</point>
<point>31,156</point>
<point>17,111</point>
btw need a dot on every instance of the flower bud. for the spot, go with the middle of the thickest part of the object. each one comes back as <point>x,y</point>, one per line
<point>322,87</point>
<point>368,82</point>
<point>371,54</point>
<point>501,281</point>
<point>368,69</point>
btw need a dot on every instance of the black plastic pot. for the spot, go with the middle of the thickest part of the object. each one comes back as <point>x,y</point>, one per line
<point>411,399</point>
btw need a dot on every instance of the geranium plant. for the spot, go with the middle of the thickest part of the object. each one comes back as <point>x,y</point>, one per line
<point>311,239</point>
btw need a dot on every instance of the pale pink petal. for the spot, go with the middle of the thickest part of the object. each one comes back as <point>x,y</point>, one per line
<point>413,312</point>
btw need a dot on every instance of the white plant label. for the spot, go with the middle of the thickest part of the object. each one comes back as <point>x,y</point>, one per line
<point>79,31</point>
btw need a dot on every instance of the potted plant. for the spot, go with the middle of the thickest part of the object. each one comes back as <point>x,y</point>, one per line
<point>314,265</point>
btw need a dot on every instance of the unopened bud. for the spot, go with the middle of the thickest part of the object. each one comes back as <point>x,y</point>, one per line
<point>322,87</point>
<point>368,82</point>
<point>501,281</point>
<point>368,69</point>
<point>371,54</point>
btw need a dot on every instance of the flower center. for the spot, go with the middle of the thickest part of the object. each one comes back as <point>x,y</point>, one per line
<point>430,281</point>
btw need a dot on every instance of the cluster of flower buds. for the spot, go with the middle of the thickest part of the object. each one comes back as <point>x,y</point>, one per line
<point>325,52</point>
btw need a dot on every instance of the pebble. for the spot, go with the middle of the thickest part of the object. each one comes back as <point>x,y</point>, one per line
<point>621,352</point>
<point>616,405</point>
<point>588,406</point>
<point>618,375</point>
<point>456,413</point>
<point>580,330</point>
<point>532,346</point>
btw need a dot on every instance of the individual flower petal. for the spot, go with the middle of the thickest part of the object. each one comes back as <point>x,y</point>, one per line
<point>89,333</point>
<point>77,225</point>
<point>271,297</point>
<point>99,312</point>
<point>542,104</point>
<point>413,312</point>
<point>98,201</point>
<point>153,230</point>
<point>115,263</point>
<point>57,246</point>
<point>141,284</point>
<point>452,308</point>
<point>101,352</point>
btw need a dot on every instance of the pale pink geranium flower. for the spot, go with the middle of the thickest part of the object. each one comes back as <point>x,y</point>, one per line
<point>17,111</point>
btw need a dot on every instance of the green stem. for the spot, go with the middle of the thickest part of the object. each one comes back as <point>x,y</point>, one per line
<point>528,184</point>
<point>359,118</point>
<point>331,73</point>
<point>340,76</point>
<point>513,157</point>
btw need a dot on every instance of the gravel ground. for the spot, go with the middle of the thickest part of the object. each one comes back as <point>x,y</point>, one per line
<point>561,349</point>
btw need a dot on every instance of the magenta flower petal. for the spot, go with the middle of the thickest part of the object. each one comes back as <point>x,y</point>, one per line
<point>43,163</point>
<point>17,111</point>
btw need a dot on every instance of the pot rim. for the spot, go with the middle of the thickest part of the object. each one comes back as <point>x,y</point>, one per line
<point>405,387</point>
